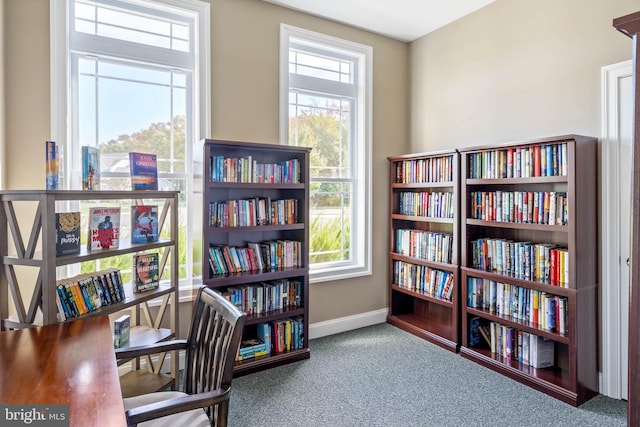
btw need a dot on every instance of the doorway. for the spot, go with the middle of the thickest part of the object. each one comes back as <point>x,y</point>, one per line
<point>615,214</point>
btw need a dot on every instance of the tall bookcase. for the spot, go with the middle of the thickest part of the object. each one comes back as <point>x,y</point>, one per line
<point>30,214</point>
<point>529,240</point>
<point>239,178</point>
<point>423,253</point>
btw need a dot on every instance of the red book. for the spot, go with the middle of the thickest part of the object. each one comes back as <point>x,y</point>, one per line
<point>536,160</point>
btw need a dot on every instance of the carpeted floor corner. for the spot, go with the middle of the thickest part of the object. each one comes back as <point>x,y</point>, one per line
<point>383,376</point>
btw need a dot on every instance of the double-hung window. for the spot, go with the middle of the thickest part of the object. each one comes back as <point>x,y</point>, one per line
<point>326,104</point>
<point>134,75</point>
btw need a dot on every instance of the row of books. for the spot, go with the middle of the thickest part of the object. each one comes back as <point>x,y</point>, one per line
<point>258,346</point>
<point>278,336</point>
<point>420,278</point>
<point>540,262</point>
<point>247,170</point>
<point>513,344</point>
<point>253,212</point>
<point>266,297</point>
<point>264,256</point>
<point>428,245</point>
<point>520,162</point>
<point>533,207</point>
<point>435,204</point>
<point>540,309</point>
<point>432,169</point>
<point>85,293</point>
<point>104,228</point>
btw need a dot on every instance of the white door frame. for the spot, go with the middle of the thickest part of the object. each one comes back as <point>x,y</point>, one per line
<point>611,381</point>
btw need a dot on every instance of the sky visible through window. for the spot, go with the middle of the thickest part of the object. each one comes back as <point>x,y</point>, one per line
<point>119,99</point>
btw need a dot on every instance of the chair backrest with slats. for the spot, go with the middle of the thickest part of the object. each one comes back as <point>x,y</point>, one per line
<point>213,342</point>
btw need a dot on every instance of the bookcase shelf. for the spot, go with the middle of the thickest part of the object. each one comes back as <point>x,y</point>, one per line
<point>239,158</point>
<point>430,180</point>
<point>569,290</point>
<point>29,215</point>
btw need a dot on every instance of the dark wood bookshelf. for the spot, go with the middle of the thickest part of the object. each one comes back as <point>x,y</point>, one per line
<point>630,26</point>
<point>574,376</point>
<point>420,313</point>
<point>214,192</point>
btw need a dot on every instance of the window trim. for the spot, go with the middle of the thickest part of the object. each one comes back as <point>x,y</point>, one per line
<point>61,86</point>
<point>363,252</point>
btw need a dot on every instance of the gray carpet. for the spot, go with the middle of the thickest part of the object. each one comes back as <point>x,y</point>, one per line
<point>383,376</point>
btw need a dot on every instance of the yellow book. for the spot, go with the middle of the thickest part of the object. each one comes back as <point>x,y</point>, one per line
<point>77,297</point>
<point>287,334</point>
<point>535,307</point>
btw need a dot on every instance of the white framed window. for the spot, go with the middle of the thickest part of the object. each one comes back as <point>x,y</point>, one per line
<point>133,75</point>
<point>325,103</point>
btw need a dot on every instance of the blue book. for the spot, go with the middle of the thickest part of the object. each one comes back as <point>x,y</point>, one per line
<point>144,224</point>
<point>90,168</point>
<point>264,334</point>
<point>144,171</point>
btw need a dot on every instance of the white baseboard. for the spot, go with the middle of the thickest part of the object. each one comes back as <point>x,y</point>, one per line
<point>348,323</point>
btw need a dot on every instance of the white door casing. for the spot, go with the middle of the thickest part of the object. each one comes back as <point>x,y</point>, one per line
<point>615,214</point>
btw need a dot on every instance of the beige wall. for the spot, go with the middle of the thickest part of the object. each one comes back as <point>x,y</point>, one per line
<point>514,70</point>
<point>244,52</point>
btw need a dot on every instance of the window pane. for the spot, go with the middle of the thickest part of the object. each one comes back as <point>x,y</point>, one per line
<point>140,105</point>
<point>319,66</point>
<point>180,31</point>
<point>130,20</point>
<point>331,215</point>
<point>129,26</point>
<point>133,36</point>
<point>128,72</point>
<point>322,123</point>
<point>85,11</point>
<point>127,108</point>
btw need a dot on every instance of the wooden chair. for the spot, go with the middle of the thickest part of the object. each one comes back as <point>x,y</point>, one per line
<point>211,349</point>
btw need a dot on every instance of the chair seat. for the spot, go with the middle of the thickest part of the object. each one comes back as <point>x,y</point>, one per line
<point>194,418</point>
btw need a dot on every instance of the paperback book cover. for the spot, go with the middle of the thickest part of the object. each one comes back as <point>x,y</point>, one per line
<point>144,171</point>
<point>67,233</point>
<point>121,331</point>
<point>90,168</point>
<point>145,272</point>
<point>53,165</point>
<point>144,223</point>
<point>104,228</point>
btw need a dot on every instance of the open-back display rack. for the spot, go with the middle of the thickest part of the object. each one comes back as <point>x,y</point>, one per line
<point>29,264</point>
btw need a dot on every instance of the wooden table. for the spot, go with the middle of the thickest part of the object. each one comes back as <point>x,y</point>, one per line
<point>67,363</point>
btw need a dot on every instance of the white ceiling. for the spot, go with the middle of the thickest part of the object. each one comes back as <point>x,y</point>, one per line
<point>404,20</point>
